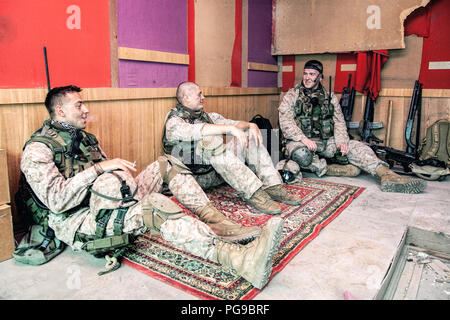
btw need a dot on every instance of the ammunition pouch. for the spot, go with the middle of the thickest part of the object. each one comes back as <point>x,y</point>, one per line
<point>156,209</point>
<point>38,247</point>
<point>176,167</point>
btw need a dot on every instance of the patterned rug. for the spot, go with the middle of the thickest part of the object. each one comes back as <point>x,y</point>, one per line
<point>322,202</point>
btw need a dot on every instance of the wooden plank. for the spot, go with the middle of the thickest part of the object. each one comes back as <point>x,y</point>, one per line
<point>113,43</point>
<point>263,67</point>
<point>414,284</point>
<point>404,281</point>
<point>152,56</point>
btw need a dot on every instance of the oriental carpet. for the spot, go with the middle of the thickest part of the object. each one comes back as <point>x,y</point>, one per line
<point>322,201</point>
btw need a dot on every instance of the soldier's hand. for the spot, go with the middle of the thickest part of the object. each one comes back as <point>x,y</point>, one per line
<point>240,135</point>
<point>255,134</point>
<point>117,164</point>
<point>311,145</point>
<point>343,148</point>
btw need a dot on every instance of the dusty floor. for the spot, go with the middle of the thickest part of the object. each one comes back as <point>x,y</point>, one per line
<point>351,255</point>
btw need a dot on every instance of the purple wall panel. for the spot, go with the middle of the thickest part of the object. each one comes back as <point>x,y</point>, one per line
<point>141,74</point>
<point>260,31</point>
<point>159,25</point>
<point>262,79</point>
<point>259,42</point>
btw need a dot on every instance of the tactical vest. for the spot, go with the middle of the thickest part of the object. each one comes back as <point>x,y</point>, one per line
<point>313,112</point>
<point>188,116</point>
<point>69,163</point>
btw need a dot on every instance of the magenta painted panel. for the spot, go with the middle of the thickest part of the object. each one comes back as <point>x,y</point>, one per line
<point>262,79</point>
<point>159,25</point>
<point>140,74</point>
<point>259,43</point>
<point>154,25</point>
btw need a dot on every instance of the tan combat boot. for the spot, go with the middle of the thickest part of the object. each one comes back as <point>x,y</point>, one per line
<point>261,201</point>
<point>393,182</point>
<point>343,170</point>
<point>224,228</point>
<point>280,194</point>
<point>252,261</point>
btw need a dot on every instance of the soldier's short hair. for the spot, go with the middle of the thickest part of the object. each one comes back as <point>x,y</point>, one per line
<point>184,87</point>
<point>55,96</point>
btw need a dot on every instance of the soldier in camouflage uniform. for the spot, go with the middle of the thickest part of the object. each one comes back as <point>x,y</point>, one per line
<point>313,125</point>
<point>80,187</point>
<point>196,137</point>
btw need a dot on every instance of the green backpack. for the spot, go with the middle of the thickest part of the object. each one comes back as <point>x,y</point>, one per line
<point>434,153</point>
<point>436,143</point>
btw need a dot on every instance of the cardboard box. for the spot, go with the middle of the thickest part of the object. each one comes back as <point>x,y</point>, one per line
<point>6,233</point>
<point>4,182</point>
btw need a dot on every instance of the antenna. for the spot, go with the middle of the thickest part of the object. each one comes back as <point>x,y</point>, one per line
<point>46,68</point>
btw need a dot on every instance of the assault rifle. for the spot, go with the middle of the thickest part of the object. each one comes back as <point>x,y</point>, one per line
<point>367,124</point>
<point>347,101</point>
<point>404,159</point>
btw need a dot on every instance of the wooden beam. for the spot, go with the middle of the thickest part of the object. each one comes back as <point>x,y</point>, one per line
<point>113,43</point>
<point>263,67</point>
<point>152,56</point>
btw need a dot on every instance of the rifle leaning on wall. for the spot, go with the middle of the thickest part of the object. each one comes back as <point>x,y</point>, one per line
<point>405,158</point>
<point>365,129</point>
<point>347,101</point>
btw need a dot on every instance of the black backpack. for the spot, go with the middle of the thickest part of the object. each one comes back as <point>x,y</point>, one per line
<point>264,123</point>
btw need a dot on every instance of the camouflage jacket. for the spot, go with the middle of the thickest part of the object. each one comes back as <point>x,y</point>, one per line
<point>290,123</point>
<point>54,190</point>
<point>180,130</point>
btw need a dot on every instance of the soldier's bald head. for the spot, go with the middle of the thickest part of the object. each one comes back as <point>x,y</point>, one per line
<point>185,89</point>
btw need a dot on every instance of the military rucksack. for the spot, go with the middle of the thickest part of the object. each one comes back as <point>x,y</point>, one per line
<point>436,143</point>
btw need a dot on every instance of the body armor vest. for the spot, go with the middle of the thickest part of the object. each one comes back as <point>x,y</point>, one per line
<point>187,149</point>
<point>72,153</point>
<point>313,112</point>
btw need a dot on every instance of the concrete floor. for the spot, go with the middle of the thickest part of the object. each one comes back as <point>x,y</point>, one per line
<point>352,254</point>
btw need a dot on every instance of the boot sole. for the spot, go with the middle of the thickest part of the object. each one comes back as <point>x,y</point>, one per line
<point>291,203</point>
<point>412,187</point>
<point>276,226</point>
<point>242,239</point>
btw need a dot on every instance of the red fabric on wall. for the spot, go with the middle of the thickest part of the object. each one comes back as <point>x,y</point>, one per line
<point>288,78</point>
<point>236,57</point>
<point>341,78</point>
<point>191,40</point>
<point>418,23</point>
<point>368,71</point>
<point>436,47</point>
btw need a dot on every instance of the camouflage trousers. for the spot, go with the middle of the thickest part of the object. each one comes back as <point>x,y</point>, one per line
<point>187,232</point>
<point>360,155</point>
<point>246,169</point>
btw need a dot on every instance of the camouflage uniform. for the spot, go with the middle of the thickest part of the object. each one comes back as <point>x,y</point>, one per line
<point>60,195</point>
<point>359,155</point>
<point>183,133</point>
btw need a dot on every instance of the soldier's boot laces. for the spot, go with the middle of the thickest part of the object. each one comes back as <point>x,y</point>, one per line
<point>254,260</point>
<point>261,201</point>
<point>280,194</point>
<point>393,182</point>
<point>224,228</point>
<point>343,170</point>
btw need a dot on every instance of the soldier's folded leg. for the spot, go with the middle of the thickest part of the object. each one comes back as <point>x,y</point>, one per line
<point>393,182</point>
<point>342,170</point>
<point>254,260</point>
<point>280,194</point>
<point>224,228</point>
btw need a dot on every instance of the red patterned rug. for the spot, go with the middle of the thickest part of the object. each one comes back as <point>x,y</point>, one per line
<point>322,202</point>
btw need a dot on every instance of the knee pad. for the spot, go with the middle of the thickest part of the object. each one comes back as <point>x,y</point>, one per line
<point>156,209</point>
<point>302,156</point>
